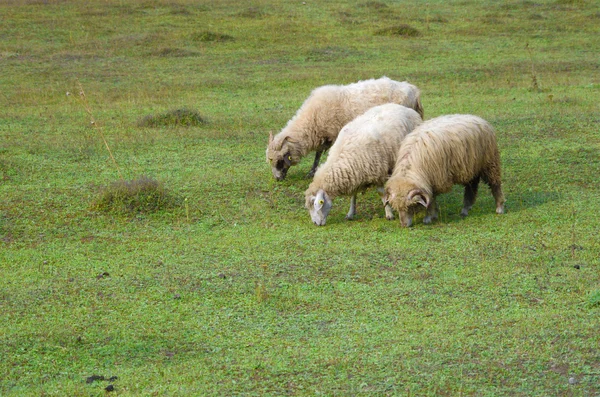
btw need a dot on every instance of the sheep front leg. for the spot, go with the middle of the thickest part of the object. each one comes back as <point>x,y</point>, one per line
<point>389,214</point>
<point>432,212</point>
<point>315,164</point>
<point>352,210</point>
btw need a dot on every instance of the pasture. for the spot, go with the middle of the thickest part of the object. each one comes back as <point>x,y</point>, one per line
<point>221,284</point>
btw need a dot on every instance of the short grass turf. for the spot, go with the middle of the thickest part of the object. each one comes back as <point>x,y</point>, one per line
<point>232,290</point>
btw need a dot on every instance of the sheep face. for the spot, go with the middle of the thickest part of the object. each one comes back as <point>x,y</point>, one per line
<point>280,159</point>
<point>318,207</point>
<point>280,165</point>
<point>407,199</point>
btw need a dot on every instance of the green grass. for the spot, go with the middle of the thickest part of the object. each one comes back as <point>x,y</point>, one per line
<point>231,290</point>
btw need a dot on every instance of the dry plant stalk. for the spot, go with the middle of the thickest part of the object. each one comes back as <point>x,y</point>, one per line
<point>88,109</point>
<point>534,81</point>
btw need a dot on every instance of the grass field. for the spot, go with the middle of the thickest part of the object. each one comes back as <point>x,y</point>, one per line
<point>228,288</point>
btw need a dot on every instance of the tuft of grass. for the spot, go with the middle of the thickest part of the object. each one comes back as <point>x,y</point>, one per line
<point>174,118</point>
<point>328,53</point>
<point>208,36</point>
<point>175,52</point>
<point>376,5</point>
<point>594,298</point>
<point>569,2</point>
<point>399,30</point>
<point>252,13</point>
<point>141,195</point>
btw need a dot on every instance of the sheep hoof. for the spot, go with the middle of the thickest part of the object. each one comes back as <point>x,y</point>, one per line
<point>390,217</point>
<point>500,210</point>
<point>349,217</point>
<point>464,212</point>
<point>310,175</point>
<point>428,219</point>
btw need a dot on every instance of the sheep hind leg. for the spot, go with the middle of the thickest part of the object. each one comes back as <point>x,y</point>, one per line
<point>499,197</point>
<point>470,195</point>
<point>432,212</point>
<point>492,177</point>
<point>352,210</point>
<point>312,171</point>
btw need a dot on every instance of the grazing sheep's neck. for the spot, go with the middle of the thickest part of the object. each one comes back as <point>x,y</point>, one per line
<point>335,180</point>
<point>299,140</point>
<point>407,169</point>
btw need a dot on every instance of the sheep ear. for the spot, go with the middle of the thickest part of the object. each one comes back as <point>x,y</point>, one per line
<point>388,197</point>
<point>418,196</point>
<point>270,136</point>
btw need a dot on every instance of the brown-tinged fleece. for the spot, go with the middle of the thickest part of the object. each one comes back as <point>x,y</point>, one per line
<point>363,155</point>
<point>440,153</point>
<point>317,123</point>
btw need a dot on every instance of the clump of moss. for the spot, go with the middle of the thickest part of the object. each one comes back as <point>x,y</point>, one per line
<point>207,36</point>
<point>141,195</point>
<point>174,118</point>
<point>399,30</point>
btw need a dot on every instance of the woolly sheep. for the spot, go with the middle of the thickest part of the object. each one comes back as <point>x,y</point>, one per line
<point>442,152</point>
<point>321,117</point>
<point>363,155</point>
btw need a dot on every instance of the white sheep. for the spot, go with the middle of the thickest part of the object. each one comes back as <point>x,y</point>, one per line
<point>319,120</point>
<point>442,152</point>
<point>363,155</point>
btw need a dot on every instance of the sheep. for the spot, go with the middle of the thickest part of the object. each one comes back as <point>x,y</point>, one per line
<point>442,152</point>
<point>363,155</point>
<point>321,117</point>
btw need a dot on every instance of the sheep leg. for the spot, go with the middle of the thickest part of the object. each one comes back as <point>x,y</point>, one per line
<point>352,210</point>
<point>389,214</point>
<point>432,212</point>
<point>499,197</point>
<point>470,195</point>
<point>315,164</point>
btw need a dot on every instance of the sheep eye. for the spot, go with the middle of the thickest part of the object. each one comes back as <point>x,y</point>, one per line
<point>290,158</point>
<point>321,202</point>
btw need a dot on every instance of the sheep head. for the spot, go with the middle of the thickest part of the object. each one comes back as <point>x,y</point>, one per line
<point>281,154</point>
<point>406,198</point>
<point>318,206</point>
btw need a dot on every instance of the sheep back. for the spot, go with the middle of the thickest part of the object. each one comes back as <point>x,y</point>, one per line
<point>448,150</point>
<point>365,152</point>
<point>317,123</point>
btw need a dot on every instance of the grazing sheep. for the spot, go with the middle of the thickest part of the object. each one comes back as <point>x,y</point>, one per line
<point>442,152</point>
<point>363,155</point>
<point>319,120</point>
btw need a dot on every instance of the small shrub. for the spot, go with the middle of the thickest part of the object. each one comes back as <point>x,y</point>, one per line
<point>207,36</point>
<point>174,118</point>
<point>141,195</point>
<point>400,30</point>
